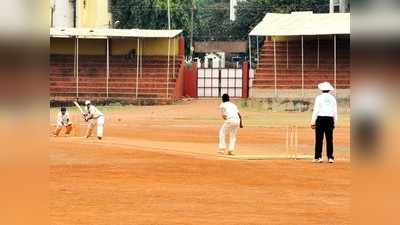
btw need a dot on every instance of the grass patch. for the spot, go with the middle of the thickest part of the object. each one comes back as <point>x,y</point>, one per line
<point>285,104</point>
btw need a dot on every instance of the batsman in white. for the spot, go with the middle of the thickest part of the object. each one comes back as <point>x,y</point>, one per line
<point>94,116</point>
<point>233,120</point>
<point>63,120</point>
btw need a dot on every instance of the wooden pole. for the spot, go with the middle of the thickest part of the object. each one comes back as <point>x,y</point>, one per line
<point>334,61</point>
<point>258,51</point>
<point>141,58</point>
<point>108,67</point>
<point>169,14</point>
<point>318,53</point>
<point>249,52</point>
<point>173,60</point>
<point>287,54</point>
<point>137,68</point>
<point>275,72</point>
<point>302,66</point>
<point>169,50</point>
<point>77,67</point>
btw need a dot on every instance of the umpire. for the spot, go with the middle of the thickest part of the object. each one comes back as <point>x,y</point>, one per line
<point>323,120</point>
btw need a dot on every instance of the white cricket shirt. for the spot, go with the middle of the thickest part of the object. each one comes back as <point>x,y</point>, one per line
<point>63,120</point>
<point>94,111</point>
<point>230,111</point>
<point>325,105</point>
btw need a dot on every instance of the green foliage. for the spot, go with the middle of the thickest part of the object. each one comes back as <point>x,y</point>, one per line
<point>151,14</point>
<point>211,17</point>
<point>212,20</point>
<point>250,12</point>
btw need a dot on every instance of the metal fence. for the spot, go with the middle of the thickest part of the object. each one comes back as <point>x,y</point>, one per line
<point>216,82</point>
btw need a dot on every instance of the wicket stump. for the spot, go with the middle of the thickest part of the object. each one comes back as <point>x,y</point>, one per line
<point>291,141</point>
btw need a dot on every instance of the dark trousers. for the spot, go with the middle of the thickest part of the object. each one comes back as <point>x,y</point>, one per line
<point>324,126</point>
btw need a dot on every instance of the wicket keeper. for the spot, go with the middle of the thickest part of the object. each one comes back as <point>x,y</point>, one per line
<point>63,120</point>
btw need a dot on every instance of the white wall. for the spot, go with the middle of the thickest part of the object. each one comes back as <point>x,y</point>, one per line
<point>341,3</point>
<point>63,13</point>
<point>232,10</point>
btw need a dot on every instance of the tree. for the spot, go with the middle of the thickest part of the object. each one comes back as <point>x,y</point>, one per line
<point>211,17</point>
<point>212,20</point>
<point>250,12</point>
<point>152,14</point>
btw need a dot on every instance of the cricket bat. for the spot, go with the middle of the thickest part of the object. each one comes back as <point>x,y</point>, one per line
<point>79,107</point>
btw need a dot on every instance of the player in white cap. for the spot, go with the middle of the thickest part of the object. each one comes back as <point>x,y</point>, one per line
<point>94,116</point>
<point>323,120</point>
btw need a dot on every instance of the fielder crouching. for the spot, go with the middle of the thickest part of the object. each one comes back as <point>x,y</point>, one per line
<point>63,120</point>
<point>94,116</point>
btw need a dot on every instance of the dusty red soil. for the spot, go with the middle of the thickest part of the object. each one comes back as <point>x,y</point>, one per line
<point>157,165</point>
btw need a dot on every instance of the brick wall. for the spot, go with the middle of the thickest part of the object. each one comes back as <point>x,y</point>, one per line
<point>152,84</point>
<point>289,66</point>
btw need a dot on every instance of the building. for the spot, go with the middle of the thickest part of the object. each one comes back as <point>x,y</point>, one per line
<point>301,49</point>
<point>339,6</point>
<point>125,65</point>
<point>91,60</point>
<point>232,9</point>
<point>62,13</point>
<point>80,13</point>
<point>214,60</point>
<point>221,53</point>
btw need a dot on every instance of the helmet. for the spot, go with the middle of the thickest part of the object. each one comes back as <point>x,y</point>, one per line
<point>63,109</point>
<point>87,102</point>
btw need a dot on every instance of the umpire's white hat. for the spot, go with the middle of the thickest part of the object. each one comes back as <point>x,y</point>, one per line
<point>325,86</point>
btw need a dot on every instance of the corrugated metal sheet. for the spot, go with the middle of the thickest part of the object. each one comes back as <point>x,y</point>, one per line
<point>116,33</point>
<point>302,23</point>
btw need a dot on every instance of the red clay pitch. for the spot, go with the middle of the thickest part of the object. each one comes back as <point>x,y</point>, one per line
<point>156,169</point>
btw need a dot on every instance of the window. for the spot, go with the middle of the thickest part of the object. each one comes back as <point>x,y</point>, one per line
<point>110,2</point>
<point>336,8</point>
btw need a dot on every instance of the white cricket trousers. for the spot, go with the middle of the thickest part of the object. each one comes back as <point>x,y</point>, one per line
<point>100,126</point>
<point>230,127</point>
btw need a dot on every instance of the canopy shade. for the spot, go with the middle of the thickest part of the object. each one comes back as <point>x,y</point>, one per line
<point>302,23</point>
<point>110,33</point>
